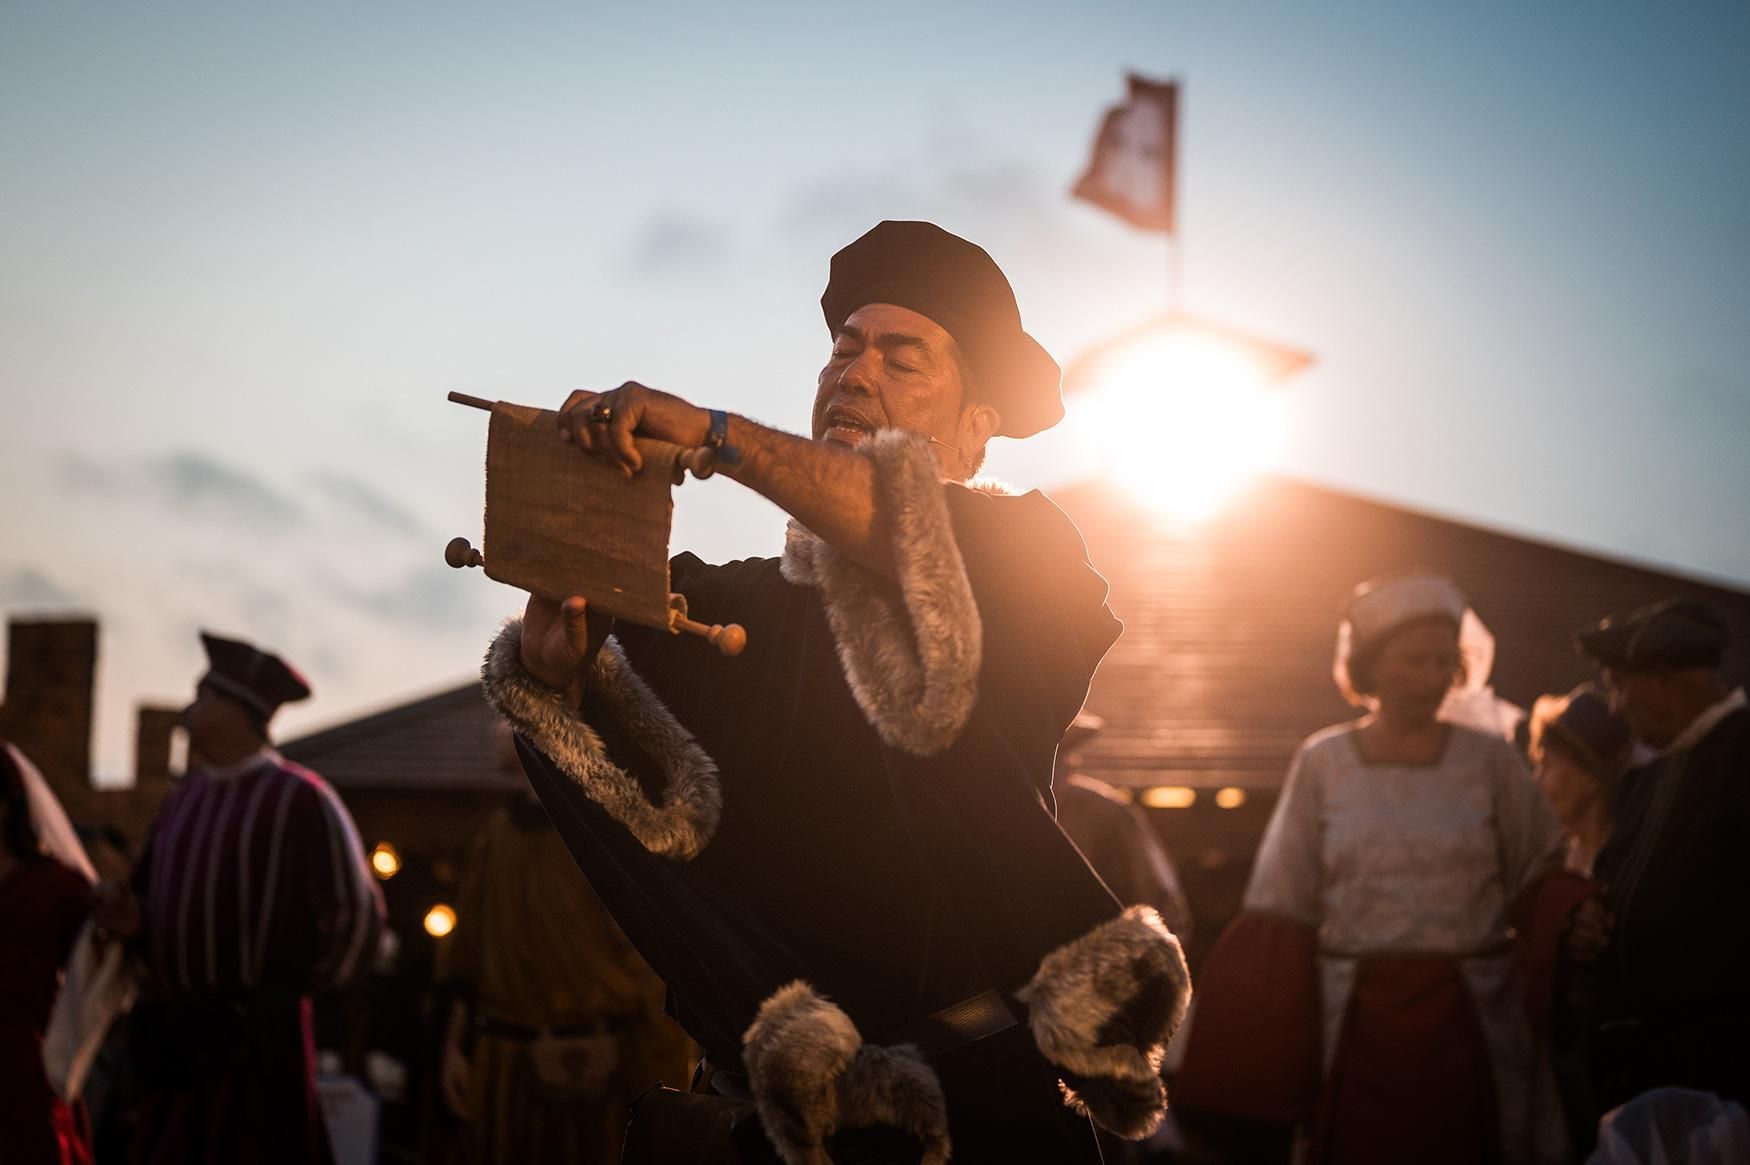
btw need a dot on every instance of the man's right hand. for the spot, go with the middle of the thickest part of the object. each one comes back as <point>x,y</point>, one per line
<point>560,640</point>
<point>1588,930</point>
<point>116,910</point>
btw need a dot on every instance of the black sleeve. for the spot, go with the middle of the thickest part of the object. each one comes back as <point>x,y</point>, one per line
<point>1043,606</point>
<point>685,671</point>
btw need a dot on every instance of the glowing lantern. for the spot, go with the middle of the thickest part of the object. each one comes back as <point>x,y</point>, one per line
<point>439,921</point>
<point>385,860</point>
<point>1169,797</point>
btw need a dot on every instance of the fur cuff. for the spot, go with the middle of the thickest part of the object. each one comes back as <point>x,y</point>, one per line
<point>911,655</point>
<point>824,1094</point>
<point>682,824</point>
<point>1102,1009</point>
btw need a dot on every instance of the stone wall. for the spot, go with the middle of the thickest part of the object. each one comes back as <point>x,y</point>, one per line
<point>51,673</point>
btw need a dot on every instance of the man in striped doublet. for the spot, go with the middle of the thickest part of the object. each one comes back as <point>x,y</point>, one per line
<point>253,892</point>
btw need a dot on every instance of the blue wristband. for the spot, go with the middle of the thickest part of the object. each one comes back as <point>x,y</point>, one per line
<point>718,438</point>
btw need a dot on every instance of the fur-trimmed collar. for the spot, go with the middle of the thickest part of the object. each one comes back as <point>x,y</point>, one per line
<point>682,823</point>
<point>911,647</point>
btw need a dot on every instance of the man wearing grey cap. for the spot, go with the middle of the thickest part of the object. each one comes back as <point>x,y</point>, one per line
<point>838,848</point>
<point>1675,961</point>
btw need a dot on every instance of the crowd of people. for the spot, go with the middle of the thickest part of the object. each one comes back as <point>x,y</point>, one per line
<point>833,905</point>
<point>1434,960</point>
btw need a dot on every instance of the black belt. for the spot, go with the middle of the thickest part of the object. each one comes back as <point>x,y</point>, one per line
<point>958,1024</point>
<point>955,1026</point>
<point>503,1029</point>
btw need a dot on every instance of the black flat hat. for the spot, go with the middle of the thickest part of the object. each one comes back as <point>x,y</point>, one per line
<point>920,266</point>
<point>1582,720</point>
<point>259,680</point>
<point>1676,633</point>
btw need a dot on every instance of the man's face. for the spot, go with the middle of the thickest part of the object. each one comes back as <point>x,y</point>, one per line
<point>212,718</point>
<point>890,368</point>
<point>1646,699</point>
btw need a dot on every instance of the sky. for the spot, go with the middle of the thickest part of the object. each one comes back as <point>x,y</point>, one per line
<point>245,250</point>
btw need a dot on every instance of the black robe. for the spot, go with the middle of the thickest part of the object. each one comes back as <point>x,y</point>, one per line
<point>895,885</point>
<point>1677,875</point>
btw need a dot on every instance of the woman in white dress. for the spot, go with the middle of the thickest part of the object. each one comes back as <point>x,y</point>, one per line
<point>1370,990</point>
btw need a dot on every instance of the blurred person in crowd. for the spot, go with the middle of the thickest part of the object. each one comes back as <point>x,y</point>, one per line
<point>1115,836</point>
<point>45,897</point>
<point>566,1020</point>
<point>250,893</point>
<point>1674,965</point>
<point>1674,1126</point>
<point>1579,748</point>
<point>110,1091</point>
<point>1370,988</point>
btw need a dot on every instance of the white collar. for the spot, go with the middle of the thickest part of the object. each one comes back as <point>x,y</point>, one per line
<point>1705,723</point>
<point>248,764</point>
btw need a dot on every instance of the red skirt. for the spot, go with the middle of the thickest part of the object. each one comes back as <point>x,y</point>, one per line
<point>1411,1080</point>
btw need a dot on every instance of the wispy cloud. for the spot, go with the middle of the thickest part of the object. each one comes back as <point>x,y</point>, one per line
<point>202,485</point>
<point>29,587</point>
<point>955,177</point>
<point>432,597</point>
<point>671,243</point>
<point>189,483</point>
<point>361,499</point>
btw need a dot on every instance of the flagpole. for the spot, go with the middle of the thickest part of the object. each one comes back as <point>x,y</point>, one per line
<point>1175,235</point>
<point>1175,272</point>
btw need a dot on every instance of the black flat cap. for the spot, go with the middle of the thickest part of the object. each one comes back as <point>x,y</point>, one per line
<point>920,266</point>
<point>1583,722</point>
<point>259,680</point>
<point>1675,633</point>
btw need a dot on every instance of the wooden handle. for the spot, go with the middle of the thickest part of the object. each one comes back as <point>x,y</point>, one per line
<point>701,462</point>
<point>460,553</point>
<point>472,402</point>
<point>727,638</point>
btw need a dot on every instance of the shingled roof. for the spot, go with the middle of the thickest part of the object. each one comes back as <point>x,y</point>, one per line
<point>1225,662</point>
<point>444,741</point>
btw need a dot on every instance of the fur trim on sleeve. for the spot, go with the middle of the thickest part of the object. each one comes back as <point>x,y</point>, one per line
<point>821,1092</point>
<point>1102,1009</point>
<point>911,654</point>
<point>681,825</point>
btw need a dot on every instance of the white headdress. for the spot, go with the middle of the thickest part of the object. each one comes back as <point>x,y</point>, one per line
<point>97,985</point>
<point>1378,609</point>
<point>54,832</point>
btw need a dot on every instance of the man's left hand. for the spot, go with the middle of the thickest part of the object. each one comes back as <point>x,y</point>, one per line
<point>602,424</point>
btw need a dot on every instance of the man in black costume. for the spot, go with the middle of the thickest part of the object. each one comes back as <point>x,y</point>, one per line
<point>838,849</point>
<point>1675,963</point>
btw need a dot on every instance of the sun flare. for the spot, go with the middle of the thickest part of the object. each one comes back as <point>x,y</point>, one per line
<point>1182,421</point>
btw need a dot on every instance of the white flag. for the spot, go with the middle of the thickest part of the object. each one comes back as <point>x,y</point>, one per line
<point>1132,172</point>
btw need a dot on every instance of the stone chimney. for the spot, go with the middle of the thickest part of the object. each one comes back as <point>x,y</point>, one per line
<point>51,666</point>
<point>155,739</point>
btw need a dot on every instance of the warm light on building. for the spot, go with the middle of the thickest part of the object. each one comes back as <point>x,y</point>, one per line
<point>1168,797</point>
<point>440,920</point>
<point>385,860</point>
<point>1230,798</point>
